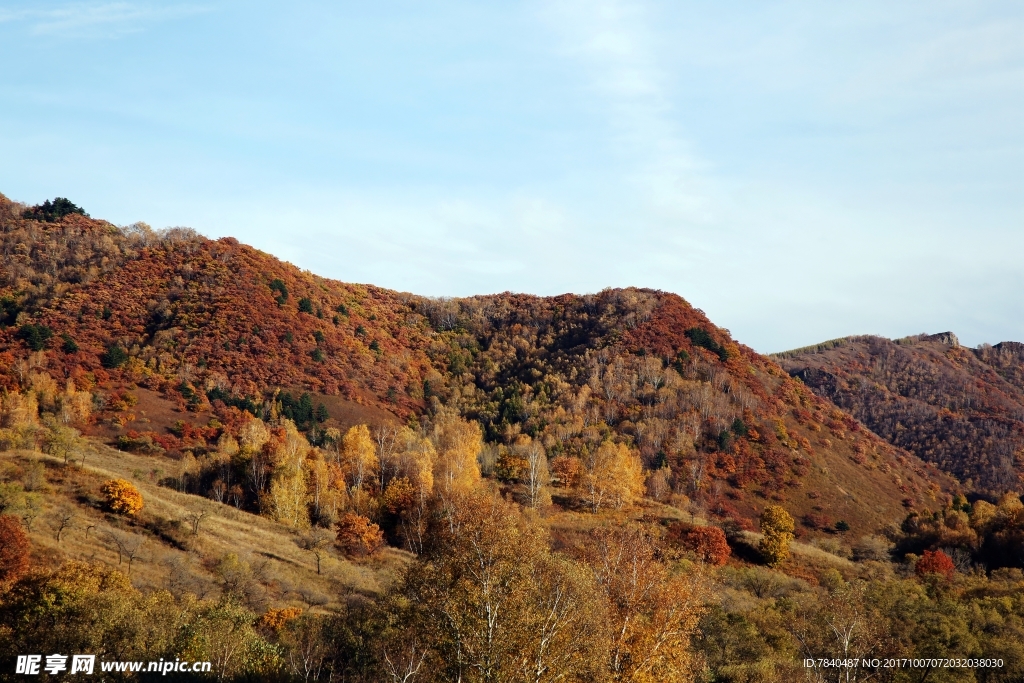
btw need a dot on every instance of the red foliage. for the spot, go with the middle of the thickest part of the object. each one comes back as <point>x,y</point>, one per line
<point>817,521</point>
<point>708,542</point>
<point>935,562</point>
<point>14,549</point>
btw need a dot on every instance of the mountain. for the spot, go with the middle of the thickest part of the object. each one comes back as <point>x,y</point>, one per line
<point>171,332</point>
<point>959,408</point>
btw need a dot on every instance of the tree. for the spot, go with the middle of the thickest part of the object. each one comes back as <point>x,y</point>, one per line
<point>613,475</point>
<point>359,455</point>
<point>358,536</point>
<point>14,549</point>
<point>458,444</point>
<point>64,516</point>
<point>777,528</point>
<point>60,440</point>
<point>491,603</point>
<point>315,542</point>
<point>652,614</point>
<point>536,476</point>
<point>935,562</point>
<point>121,497</point>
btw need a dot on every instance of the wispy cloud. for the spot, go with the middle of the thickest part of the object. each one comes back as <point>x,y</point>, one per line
<point>615,43</point>
<point>98,19</point>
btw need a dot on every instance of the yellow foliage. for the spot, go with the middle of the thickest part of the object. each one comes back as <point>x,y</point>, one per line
<point>458,443</point>
<point>777,526</point>
<point>122,497</point>
<point>613,475</point>
<point>359,455</point>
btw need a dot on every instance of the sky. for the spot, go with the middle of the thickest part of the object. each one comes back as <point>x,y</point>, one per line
<point>799,170</point>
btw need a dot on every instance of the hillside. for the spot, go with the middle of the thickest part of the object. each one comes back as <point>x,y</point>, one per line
<point>170,330</point>
<point>961,409</point>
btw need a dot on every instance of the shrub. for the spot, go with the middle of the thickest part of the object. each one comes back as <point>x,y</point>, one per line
<point>121,497</point>
<point>305,305</point>
<point>707,542</point>
<point>358,536</point>
<point>935,562</point>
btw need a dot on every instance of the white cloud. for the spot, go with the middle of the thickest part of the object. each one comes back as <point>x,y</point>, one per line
<point>97,19</point>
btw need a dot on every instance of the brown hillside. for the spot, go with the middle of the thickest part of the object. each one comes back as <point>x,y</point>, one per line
<point>168,327</point>
<point>959,408</point>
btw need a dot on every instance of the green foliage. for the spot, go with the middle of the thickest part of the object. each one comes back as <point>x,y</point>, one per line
<point>700,337</point>
<point>739,428</point>
<point>301,411</point>
<point>305,305</point>
<point>317,355</point>
<point>9,310</point>
<point>36,336</point>
<point>242,403</point>
<point>68,345</point>
<point>277,285</point>
<point>375,346</point>
<point>342,309</point>
<point>114,357</point>
<point>50,212</point>
<point>842,526</point>
<point>319,336</point>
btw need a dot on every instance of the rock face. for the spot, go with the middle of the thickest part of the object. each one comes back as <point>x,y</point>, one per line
<point>947,338</point>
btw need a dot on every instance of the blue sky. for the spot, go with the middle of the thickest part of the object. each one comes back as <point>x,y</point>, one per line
<point>799,170</point>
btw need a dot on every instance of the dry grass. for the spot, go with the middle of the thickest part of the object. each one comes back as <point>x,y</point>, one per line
<point>170,556</point>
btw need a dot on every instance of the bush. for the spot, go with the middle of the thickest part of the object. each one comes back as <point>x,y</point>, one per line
<point>305,305</point>
<point>121,497</point>
<point>358,536</point>
<point>935,562</point>
<point>707,542</point>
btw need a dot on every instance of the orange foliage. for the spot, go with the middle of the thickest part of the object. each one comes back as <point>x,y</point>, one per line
<point>122,497</point>
<point>567,471</point>
<point>14,549</point>
<point>358,536</point>
<point>275,619</point>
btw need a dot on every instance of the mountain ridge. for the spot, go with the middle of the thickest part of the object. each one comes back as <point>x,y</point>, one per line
<point>208,326</point>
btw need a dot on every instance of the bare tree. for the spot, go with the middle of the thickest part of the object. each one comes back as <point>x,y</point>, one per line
<point>537,476</point>
<point>406,664</point>
<point>131,547</point>
<point>65,516</point>
<point>316,542</point>
<point>195,517</point>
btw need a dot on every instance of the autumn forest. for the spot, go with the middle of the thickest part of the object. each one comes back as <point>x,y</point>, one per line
<point>209,454</point>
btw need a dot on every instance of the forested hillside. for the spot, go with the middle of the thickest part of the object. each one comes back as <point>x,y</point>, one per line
<point>959,408</point>
<point>209,454</point>
<point>191,327</point>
